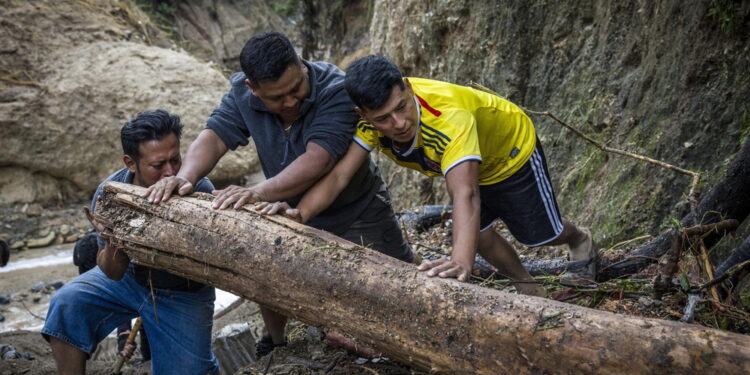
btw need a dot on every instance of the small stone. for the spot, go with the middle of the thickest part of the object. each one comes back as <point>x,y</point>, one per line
<point>4,300</point>
<point>42,241</point>
<point>72,238</point>
<point>34,209</point>
<point>64,229</point>
<point>17,245</point>
<point>36,299</point>
<point>42,286</point>
<point>361,361</point>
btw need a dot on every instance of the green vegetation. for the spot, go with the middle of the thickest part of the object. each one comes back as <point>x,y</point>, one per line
<point>160,13</point>
<point>723,13</point>
<point>744,127</point>
<point>285,8</point>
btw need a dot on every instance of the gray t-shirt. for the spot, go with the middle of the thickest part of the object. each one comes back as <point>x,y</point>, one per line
<point>328,119</point>
<point>160,279</point>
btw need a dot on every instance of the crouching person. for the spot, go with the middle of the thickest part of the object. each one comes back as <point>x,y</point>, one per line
<point>176,312</point>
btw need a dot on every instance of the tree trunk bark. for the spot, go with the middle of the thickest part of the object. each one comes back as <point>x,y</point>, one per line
<point>434,324</point>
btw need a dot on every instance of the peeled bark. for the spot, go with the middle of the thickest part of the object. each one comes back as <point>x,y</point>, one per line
<point>437,325</point>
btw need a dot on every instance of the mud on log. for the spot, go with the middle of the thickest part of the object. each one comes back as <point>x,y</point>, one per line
<point>433,324</point>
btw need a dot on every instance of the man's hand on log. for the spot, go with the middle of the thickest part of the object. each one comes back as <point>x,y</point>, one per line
<point>446,268</point>
<point>163,189</point>
<point>283,208</point>
<point>100,224</point>
<point>236,196</point>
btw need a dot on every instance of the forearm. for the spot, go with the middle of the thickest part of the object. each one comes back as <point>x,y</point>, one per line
<point>202,156</point>
<point>302,173</point>
<point>325,191</point>
<point>466,209</point>
<point>322,195</point>
<point>294,180</point>
<point>113,262</point>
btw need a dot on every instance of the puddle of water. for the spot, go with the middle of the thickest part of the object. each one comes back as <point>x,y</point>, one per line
<point>58,258</point>
<point>36,261</point>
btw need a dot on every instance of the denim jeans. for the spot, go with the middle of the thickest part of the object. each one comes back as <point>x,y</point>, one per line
<point>178,324</point>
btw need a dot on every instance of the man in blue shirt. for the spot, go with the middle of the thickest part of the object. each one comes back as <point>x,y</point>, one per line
<point>177,313</point>
<point>302,121</point>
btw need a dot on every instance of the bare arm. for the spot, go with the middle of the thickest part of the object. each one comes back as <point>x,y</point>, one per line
<point>320,196</point>
<point>201,158</point>
<point>464,191</point>
<point>302,173</point>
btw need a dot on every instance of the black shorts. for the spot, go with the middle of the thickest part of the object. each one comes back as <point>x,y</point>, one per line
<point>378,229</point>
<point>525,202</point>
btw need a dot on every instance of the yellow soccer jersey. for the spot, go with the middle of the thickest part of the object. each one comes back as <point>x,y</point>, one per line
<point>456,124</point>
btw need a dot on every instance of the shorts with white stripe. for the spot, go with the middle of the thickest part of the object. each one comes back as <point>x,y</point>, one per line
<point>525,202</point>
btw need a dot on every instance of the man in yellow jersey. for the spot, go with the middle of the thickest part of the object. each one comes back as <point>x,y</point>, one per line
<point>487,149</point>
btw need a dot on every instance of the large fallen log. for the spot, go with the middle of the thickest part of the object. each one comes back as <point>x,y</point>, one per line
<point>434,324</point>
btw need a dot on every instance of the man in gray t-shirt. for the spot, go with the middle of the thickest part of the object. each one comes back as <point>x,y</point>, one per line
<point>302,122</point>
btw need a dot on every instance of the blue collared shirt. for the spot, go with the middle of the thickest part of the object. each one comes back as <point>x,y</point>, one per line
<point>327,119</point>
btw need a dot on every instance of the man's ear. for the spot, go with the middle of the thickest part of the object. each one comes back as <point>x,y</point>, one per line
<point>130,163</point>
<point>250,86</point>
<point>407,84</point>
<point>359,112</point>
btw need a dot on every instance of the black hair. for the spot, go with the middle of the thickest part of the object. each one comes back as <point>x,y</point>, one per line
<point>148,126</point>
<point>266,57</point>
<point>369,81</point>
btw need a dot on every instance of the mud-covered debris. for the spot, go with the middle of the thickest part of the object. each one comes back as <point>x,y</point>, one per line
<point>9,352</point>
<point>47,286</point>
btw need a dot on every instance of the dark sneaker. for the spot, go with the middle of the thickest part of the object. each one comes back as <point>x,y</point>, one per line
<point>265,346</point>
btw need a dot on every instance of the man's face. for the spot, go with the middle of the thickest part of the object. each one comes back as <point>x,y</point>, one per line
<point>157,159</point>
<point>397,118</point>
<point>284,96</point>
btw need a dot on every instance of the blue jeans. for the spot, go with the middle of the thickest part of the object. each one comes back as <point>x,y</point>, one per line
<point>178,324</point>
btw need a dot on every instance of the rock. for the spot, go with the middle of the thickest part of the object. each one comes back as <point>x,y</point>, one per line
<point>32,210</point>
<point>22,185</point>
<point>17,245</point>
<point>646,301</point>
<point>4,300</point>
<point>64,229</point>
<point>72,238</point>
<point>42,241</point>
<point>551,57</point>
<point>234,347</point>
<point>46,286</point>
<point>9,352</point>
<point>218,30</point>
<point>2,317</point>
<point>80,98</point>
